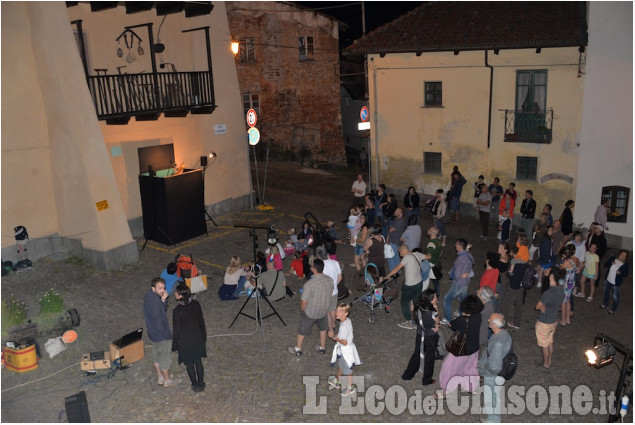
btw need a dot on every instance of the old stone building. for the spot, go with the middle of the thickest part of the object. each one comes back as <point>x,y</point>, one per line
<point>288,71</point>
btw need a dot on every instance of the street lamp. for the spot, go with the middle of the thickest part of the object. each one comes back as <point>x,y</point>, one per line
<point>234,46</point>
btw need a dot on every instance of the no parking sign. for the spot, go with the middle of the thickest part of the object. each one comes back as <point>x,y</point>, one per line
<point>251,118</point>
<point>363,114</point>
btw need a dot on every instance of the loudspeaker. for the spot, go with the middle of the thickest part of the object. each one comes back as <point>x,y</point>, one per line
<point>77,408</point>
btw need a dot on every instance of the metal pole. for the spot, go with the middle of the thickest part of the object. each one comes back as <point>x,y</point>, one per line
<point>257,182</point>
<point>264,184</point>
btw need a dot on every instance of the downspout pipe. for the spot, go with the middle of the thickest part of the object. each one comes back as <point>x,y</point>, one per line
<point>377,162</point>
<point>489,113</point>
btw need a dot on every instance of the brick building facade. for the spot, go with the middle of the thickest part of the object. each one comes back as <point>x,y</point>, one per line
<point>288,71</point>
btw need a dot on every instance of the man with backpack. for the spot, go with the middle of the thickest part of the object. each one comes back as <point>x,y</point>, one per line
<point>490,364</point>
<point>413,283</point>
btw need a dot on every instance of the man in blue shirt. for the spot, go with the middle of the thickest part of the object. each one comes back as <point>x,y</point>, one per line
<point>155,314</point>
<point>461,274</point>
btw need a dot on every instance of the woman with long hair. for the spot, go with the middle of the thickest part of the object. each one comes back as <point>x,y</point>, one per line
<point>234,281</point>
<point>374,248</point>
<point>359,259</point>
<point>189,335</point>
<point>426,341</point>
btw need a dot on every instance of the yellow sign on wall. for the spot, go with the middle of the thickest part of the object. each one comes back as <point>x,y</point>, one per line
<point>102,205</point>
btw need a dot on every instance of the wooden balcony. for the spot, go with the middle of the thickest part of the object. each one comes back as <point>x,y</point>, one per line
<point>146,96</point>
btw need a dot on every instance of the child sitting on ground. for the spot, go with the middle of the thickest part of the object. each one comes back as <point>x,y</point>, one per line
<point>297,265</point>
<point>354,224</point>
<point>291,244</point>
<point>345,352</point>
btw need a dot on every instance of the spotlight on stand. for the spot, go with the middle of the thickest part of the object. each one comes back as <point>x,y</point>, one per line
<point>603,353</point>
<point>272,236</point>
<point>600,355</point>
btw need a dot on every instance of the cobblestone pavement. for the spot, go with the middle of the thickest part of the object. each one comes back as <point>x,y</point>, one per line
<point>249,373</point>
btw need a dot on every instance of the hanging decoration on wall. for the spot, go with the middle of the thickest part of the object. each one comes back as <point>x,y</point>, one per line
<point>129,39</point>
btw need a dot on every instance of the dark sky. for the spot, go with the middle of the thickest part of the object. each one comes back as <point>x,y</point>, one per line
<point>377,14</point>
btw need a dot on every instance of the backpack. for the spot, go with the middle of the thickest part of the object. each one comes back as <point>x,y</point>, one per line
<point>185,266</point>
<point>529,277</point>
<point>425,268</point>
<point>510,364</point>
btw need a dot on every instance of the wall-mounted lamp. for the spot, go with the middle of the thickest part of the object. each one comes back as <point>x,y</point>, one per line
<point>208,159</point>
<point>235,46</point>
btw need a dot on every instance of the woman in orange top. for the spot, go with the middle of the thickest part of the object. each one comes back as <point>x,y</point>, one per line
<point>507,203</point>
<point>523,248</point>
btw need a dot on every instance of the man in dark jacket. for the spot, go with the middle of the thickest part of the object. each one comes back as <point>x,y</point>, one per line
<point>528,211</point>
<point>155,313</point>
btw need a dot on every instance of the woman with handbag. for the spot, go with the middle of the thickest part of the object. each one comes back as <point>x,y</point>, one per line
<point>427,319</point>
<point>374,247</point>
<point>461,361</point>
<point>439,212</point>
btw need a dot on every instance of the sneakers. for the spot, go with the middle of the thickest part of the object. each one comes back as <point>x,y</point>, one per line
<point>455,314</point>
<point>407,325</point>
<point>387,309</point>
<point>589,299</point>
<point>539,285</point>
<point>294,350</point>
<point>334,384</point>
<point>602,307</point>
<point>348,391</point>
<point>444,322</point>
<point>321,350</point>
<point>513,325</point>
<point>579,295</point>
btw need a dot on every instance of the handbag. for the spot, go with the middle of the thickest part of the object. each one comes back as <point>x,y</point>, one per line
<point>388,251</point>
<point>446,219</point>
<point>197,284</point>
<point>457,344</point>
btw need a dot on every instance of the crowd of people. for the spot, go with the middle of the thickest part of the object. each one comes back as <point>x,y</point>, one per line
<point>543,252</point>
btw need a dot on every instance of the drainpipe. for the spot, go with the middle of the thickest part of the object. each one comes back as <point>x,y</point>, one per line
<point>377,161</point>
<point>489,114</point>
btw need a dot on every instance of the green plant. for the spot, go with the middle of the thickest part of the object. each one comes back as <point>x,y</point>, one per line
<point>51,302</point>
<point>13,313</point>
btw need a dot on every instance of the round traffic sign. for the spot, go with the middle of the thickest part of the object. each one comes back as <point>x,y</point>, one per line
<point>251,118</point>
<point>363,114</point>
<point>254,136</point>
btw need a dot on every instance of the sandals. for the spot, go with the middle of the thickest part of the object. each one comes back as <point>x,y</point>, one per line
<point>589,299</point>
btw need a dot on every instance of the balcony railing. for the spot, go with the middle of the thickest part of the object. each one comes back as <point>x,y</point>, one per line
<point>146,96</point>
<point>528,127</point>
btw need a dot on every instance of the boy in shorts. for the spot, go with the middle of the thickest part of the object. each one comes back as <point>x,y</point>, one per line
<point>344,352</point>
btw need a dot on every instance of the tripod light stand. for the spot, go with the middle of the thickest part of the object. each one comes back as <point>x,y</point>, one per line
<point>207,160</point>
<point>259,293</point>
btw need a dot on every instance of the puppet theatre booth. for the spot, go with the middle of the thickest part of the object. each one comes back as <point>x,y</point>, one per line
<point>172,201</point>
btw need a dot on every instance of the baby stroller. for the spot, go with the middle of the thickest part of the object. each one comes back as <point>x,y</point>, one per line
<point>379,293</point>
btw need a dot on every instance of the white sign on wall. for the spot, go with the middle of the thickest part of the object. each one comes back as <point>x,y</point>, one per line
<point>220,129</point>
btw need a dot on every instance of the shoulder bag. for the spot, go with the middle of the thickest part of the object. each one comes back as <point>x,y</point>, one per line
<point>457,344</point>
<point>388,251</point>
